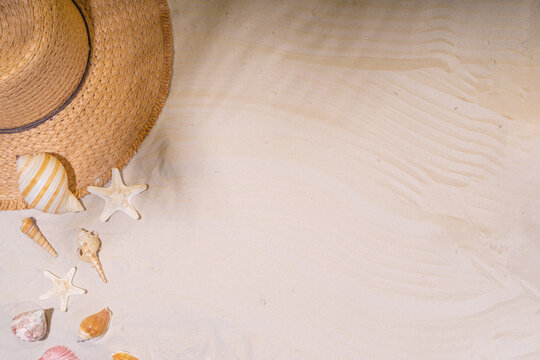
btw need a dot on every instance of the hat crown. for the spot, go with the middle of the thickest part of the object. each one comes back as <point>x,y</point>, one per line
<point>44,55</point>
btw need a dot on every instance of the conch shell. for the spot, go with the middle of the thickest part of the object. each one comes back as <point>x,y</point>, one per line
<point>30,326</point>
<point>89,245</point>
<point>59,353</point>
<point>44,186</point>
<point>95,326</point>
<point>121,355</point>
<point>29,228</point>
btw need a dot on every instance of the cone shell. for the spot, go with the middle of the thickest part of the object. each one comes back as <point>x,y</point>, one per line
<point>30,326</point>
<point>59,353</point>
<point>89,245</point>
<point>43,184</point>
<point>29,228</point>
<point>121,355</point>
<point>95,326</point>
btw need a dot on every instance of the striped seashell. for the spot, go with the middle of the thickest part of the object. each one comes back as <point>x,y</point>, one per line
<point>30,228</point>
<point>59,353</point>
<point>122,355</point>
<point>44,186</point>
<point>89,245</point>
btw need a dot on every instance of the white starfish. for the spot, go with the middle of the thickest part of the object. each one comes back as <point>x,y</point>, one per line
<point>118,196</point>
<point>62,287</point>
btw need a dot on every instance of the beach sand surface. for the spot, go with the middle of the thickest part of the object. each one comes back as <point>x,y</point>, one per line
<point>327,180</point>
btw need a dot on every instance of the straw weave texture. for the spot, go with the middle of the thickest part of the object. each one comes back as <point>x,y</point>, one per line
<point>118,103</point>
<point>44,53</point>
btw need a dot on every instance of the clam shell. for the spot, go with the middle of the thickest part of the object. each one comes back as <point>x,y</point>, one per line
<point>30,326</point>
<point>43,184</point>
<point>59,353</point>
<point>30,228</point>
<point>95,325</point>
<point>122,355</point>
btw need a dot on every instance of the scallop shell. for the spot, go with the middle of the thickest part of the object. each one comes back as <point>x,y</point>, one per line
<point>30,326</point>
<point>95,326</point>
<point>29,228</point>
<point>89,245</point>
<point>122,355</point>
<point>43,184</point>
<point>59,353</point>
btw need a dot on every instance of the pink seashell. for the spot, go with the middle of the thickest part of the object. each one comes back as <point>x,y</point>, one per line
<point>30,326</point>
<point>59,353</point>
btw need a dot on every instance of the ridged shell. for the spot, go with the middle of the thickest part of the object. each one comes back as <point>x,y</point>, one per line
<point>95,325</point>
<point>43,184</point>
<point>89,242</point>
<point>59,353</point>
<point>89,245</point>
<point>30,228</point>
<point>121,355</point>
<point>30,326</point>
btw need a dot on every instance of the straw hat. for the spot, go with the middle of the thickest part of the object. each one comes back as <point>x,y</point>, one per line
<point>83,80</point>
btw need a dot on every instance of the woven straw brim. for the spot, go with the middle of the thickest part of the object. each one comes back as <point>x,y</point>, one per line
<point>119,101</point>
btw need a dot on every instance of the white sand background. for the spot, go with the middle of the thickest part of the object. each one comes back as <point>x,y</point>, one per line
<point>328,180</point>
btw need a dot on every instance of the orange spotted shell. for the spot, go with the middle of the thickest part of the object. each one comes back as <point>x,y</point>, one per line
<point>95,325</point>
<point>121,355</point>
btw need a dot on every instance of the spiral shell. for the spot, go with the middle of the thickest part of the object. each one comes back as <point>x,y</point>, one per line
<point>89,242</point>
<point>121,355</point>
<point>30,228</point>
<point>89,245</point>
<point>95,325</point>
<point>59,353</point>
<point>43,184</point>
<point>30,326</point>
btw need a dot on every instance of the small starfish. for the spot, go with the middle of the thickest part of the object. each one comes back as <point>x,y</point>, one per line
<point>62,287</point>
<point>118,196</point>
